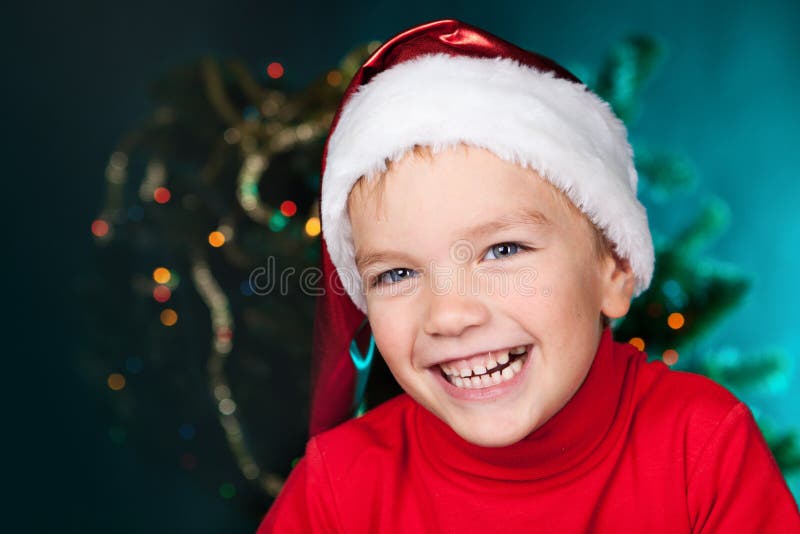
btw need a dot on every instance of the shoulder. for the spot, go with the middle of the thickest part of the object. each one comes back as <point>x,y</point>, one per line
<point>663,390</point>
<point>705,441</point>
<point>681,409</point>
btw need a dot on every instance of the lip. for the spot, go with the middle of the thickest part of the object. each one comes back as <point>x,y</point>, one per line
<point>487,393</point>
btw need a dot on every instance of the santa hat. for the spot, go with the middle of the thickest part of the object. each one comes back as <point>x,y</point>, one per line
<point>440,84</point>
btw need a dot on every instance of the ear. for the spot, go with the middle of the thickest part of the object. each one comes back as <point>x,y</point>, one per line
<point>618,284</point>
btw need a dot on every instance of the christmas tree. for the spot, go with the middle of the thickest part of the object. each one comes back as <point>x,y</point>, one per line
<point>207,246</point>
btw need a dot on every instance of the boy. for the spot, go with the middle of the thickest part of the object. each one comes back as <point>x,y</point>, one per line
<point>479,209</point>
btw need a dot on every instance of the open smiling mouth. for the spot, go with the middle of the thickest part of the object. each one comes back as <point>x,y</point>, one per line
<point>496,371</point>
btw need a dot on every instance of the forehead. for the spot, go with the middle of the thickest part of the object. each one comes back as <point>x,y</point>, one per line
<point>461,186</point>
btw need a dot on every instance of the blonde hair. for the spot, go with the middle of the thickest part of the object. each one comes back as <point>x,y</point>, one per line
<point>365,188</point>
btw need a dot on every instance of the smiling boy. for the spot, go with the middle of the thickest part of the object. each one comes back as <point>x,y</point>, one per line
<point>555,314</point>
<point>479,211</point>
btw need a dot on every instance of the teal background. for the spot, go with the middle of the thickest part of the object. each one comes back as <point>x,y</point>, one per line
<point>76,78</point>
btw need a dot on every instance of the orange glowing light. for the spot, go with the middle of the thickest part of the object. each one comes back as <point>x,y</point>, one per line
<point>161,275</point>
<point>670,356</point>
<point>313,226</point>
<point>675,320</point>
<point>288,208</point>
<point>216,239</point>
<point>99,227</point>
<point>161,294</point>
<point>334,78</point>
<point>637,342</point>
<point>162,195</point>
<point>169,317</point>
<point>116,381</point>
<point>275,70</point>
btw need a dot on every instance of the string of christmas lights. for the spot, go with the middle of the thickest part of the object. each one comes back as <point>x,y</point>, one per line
<point>270,124</point>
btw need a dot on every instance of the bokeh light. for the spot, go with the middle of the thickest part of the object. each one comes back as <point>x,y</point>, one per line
<point>222,392</point>
<point>169,317</point>
<point>334,78</point>
<point>99,227</point>
<point>116,381</point>
<point>186,431</point>
<point>675,320</point>
<point>245,288</point>
<point>174,280</point>
<point>161,293</point>
<point>227,406</point>
<point>304,132</point>
<point>161,275</point>
<point>670,356</point>
<point>277,222</point>
<point>227,491</point>
<point>232,136</point>
<point>275,70</point>
<point>288,208</point>
<point>637,342</point>
<point>216,239</point>
<point>162,195</point>
<point>313,226</point>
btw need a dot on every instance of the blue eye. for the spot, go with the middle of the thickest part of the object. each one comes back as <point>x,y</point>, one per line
<point>504,250</point>
<point>395,275</point>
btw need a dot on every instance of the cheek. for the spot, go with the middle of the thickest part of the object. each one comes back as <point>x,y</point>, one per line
<point>557,299</point>
<point>572,283</point>
<point>393,332</point>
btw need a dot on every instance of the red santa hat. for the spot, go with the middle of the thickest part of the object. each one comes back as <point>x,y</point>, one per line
<point>439,84</point>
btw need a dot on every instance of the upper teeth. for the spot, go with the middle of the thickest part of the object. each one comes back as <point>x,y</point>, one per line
<point>482,365</point>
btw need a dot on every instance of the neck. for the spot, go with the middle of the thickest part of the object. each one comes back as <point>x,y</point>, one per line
<point>576,433</point>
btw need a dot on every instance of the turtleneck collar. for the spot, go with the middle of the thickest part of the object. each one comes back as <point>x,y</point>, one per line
<point>573,439</point>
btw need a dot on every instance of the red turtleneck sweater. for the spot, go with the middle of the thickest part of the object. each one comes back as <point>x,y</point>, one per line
<point>639,448</point>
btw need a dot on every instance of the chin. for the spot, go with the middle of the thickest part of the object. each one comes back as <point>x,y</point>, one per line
<point>491,436</point>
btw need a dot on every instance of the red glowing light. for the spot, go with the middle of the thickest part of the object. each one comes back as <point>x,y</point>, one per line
<point>161,293</point>
<point>162,195</point>
<point>275,70</point>
<point>99,227</point>
<point>288,208</point>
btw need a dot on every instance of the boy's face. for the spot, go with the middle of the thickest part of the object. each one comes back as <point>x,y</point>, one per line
<point>451,301</point>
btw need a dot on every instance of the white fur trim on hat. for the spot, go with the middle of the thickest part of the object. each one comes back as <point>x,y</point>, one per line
<point>559,128</point>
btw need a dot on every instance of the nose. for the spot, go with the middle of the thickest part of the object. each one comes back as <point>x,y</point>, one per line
<point>450,314</point>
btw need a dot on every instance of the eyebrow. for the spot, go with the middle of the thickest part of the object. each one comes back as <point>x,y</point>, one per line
<point>365,258</point>
<point>369,257</point>
<point>522,216</point>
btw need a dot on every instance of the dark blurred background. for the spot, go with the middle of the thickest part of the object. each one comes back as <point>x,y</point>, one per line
<point>79,76</point>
